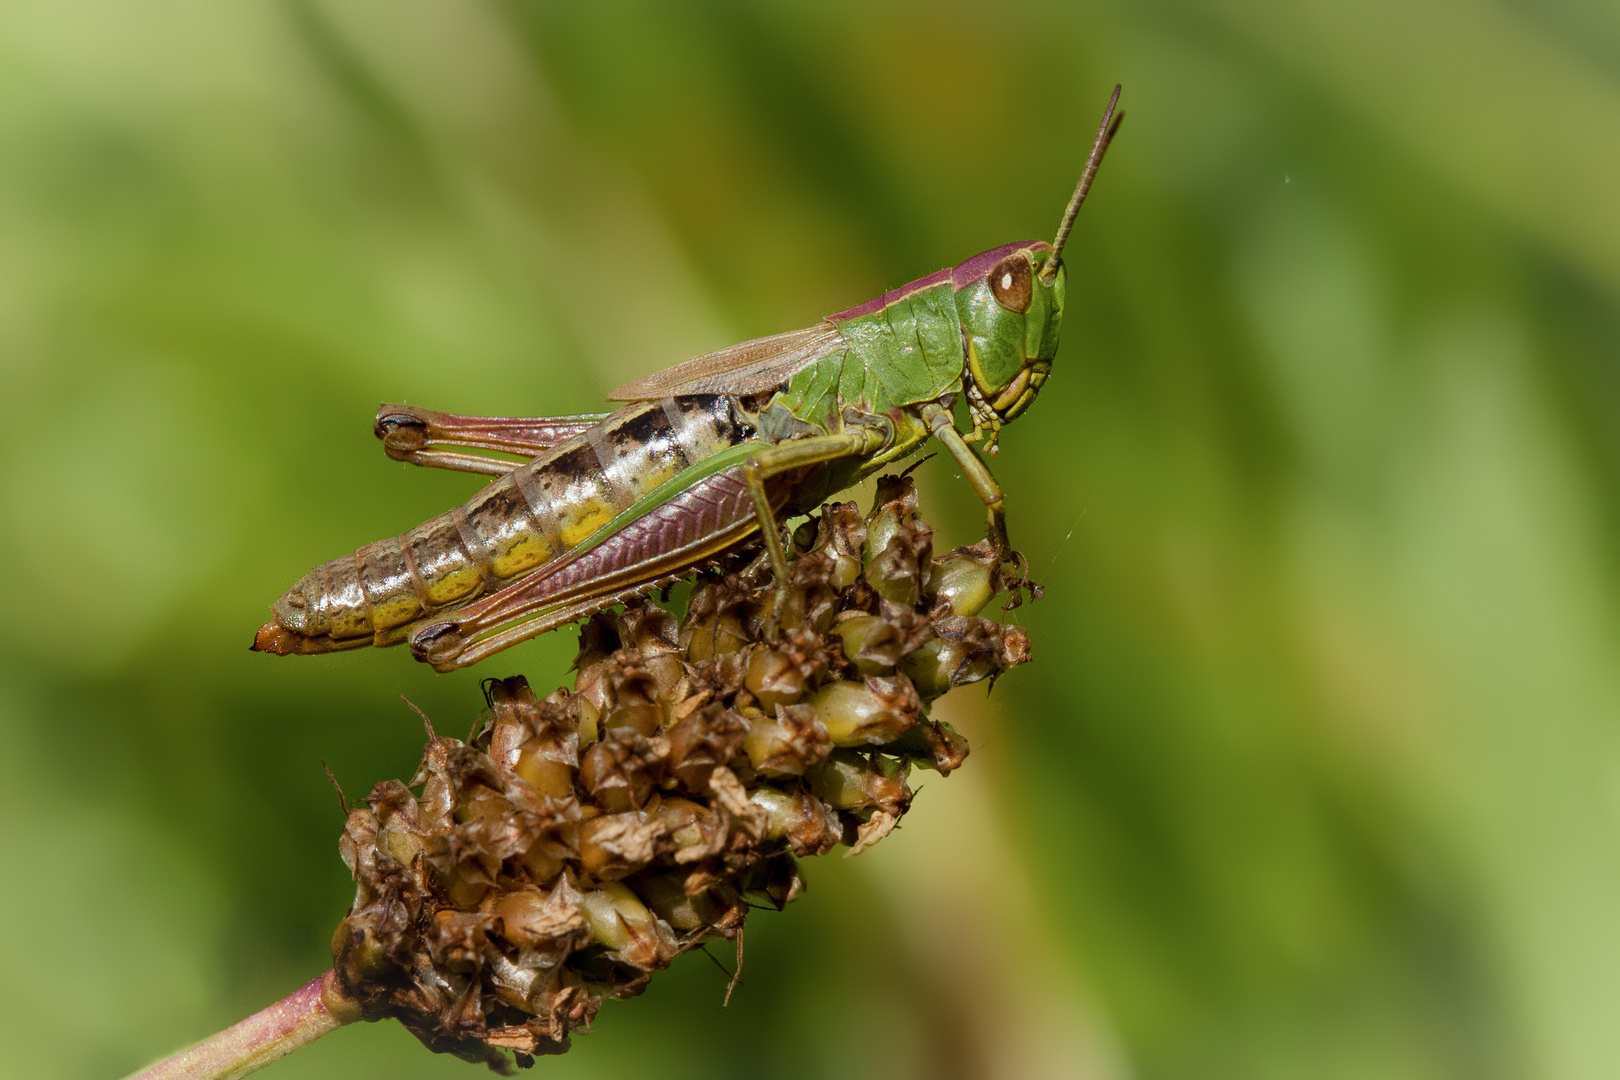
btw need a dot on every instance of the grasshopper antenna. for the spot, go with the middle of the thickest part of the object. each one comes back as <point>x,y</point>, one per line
<point>1105,134</point>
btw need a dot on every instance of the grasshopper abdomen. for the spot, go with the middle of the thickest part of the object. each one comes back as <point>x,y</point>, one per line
<point>531,516</point>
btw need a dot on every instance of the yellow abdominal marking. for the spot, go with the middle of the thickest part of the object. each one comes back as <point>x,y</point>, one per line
<point>448,587</point>
<point>395,611</point>
<point>526,553</point>
<point>351,621</point>
<point>650,479</point>
<point>593,515</point>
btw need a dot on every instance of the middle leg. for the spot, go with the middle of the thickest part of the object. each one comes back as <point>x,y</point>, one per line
<point>799,454</point>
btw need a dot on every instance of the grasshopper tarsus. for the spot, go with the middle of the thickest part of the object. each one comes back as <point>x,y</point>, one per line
<point>1013,577</point>
<point>1015,597</point>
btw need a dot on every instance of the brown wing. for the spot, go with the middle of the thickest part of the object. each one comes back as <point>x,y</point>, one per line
<point>749,367</point>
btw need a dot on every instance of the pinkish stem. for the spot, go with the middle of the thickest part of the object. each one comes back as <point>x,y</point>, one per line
<point>299,1018</point>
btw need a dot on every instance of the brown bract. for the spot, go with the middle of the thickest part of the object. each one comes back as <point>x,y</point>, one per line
<point>583,840</point>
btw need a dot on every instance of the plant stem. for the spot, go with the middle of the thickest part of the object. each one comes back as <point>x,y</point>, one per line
<point>299,1018</point>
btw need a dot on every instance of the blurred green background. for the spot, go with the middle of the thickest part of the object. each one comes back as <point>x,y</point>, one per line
<point>1318,769</point>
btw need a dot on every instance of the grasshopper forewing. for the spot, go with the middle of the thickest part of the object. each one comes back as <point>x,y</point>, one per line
<point>704,456</point>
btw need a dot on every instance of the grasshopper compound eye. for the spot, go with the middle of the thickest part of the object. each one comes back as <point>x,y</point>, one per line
<point>1010,282</point>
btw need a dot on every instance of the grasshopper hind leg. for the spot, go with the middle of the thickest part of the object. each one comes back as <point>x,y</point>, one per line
<point>705,520</point>
<point>445,648</point>
<point>413,435</point>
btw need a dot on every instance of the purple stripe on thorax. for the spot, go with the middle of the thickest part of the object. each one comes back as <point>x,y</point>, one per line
<point>881,302</point>
<point>962,274</point>
<point>978,267</point>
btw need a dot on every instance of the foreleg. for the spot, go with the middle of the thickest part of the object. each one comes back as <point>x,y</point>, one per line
<point>1013,567</point>
<point>448,652</point>
<point>941,427</point>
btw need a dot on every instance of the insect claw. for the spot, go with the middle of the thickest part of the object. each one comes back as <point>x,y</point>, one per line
<point>1013,576</point>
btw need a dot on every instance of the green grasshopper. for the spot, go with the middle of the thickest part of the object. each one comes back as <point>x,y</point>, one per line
<point>705,455</point>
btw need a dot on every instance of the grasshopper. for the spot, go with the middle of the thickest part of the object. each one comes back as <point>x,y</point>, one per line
<point>703,456</point>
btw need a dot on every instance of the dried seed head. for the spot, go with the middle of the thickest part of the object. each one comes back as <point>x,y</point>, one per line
<point>583,840</point>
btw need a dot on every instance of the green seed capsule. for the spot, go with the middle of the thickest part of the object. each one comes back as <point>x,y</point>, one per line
<point>778,807</point>
<point>932,744</point>
<point>465,890</point>
<point>542,864</point>
<point>946,662</point>
<point>856,716</point>
<point>868,642</point>
<point>963,582</point>
<point>618,919</point>
<point>358,953</point>
<point>841,783</point>
<point>694,830</point>
<point>533,917</point>
<point>808,825</point>
<point>401,844</point>
<point>773,678</point>
<point>804,537</point>
<point>665,895</point>
<point>880,529</point>
<point>730,633</point>
<point>638,715</point>
<point>929,668</point>
<point>894,586</point>
<point>849,781</point>
<point>589,720</point>
<point>482,804</point>
<point>845,571</point>
<point>786,744</point>
<point>543,765</point>
<point>609,912</point>
<point>667,672</point>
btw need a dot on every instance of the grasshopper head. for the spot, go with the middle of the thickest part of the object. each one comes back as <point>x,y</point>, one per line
<point>1010,316</point>
<point>1010,301</point>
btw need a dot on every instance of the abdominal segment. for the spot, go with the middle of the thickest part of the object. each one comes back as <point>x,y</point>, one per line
<point>532,516</point>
